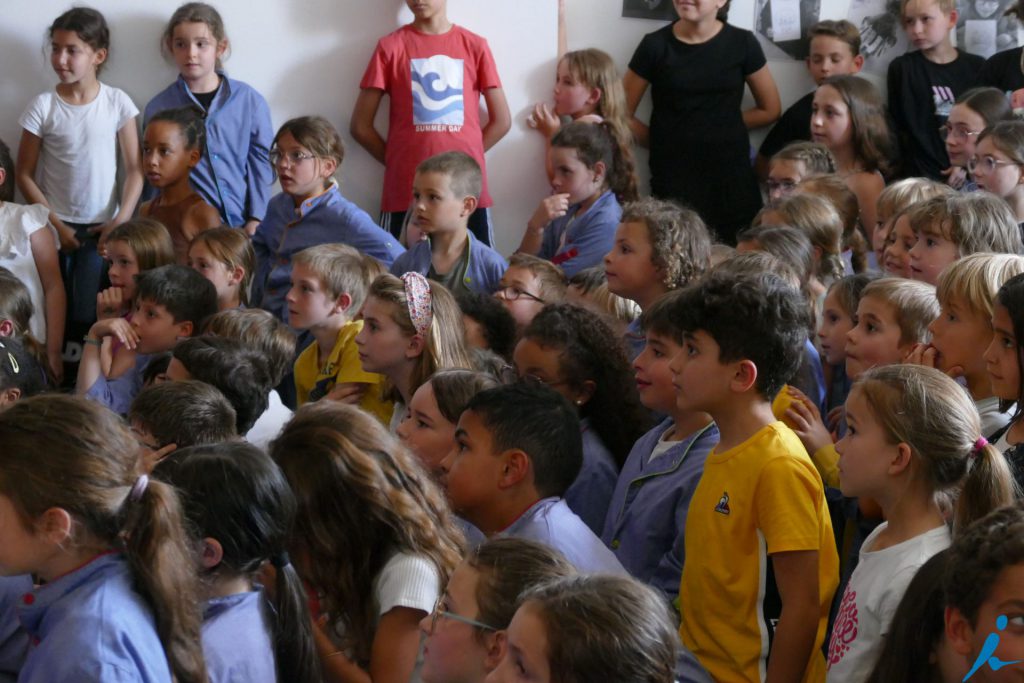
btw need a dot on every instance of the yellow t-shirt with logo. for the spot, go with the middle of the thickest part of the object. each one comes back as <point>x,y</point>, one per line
<point>757,499</point>
<point>314,381</point>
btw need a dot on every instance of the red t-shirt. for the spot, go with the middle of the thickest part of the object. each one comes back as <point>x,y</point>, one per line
<point>435,84</point>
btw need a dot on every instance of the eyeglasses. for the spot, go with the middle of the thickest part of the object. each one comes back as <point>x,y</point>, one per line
<point>989,164</point>
<point>956,132</point>
<point>514,293</point>
<point>293,158</point>
<point>438,613</point>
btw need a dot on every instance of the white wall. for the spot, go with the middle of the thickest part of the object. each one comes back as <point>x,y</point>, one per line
<point>307,56</point>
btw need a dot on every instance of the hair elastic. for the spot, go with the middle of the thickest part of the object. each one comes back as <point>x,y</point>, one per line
<point>418,300</point>
<point>280,560</point>
<point>978,446</point>
<point>138,488</point>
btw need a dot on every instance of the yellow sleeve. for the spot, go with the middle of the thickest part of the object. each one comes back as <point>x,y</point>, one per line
<point>305,372</point>
<point>826,460</point>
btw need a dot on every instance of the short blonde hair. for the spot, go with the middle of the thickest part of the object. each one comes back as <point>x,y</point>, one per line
<point>945,6</point>
<point>340,268</point>
<point>817,218</point>
<point>550,277</point>
<point>976,279</point>
<point>913,303</point>
<point>973,221</point>
<point>902,194</point>
<point>593,284</point>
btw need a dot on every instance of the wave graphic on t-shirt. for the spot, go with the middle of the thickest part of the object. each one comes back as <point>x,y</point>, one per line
<point>437,93</point>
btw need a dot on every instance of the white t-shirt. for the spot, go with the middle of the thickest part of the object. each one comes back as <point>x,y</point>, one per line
<point>991,419</point>
<point>871,598</point>
<point>77,169</point>
<point>270,423</point>
<point>17,223</point>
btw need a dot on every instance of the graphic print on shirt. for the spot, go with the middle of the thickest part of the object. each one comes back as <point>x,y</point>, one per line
<point>723,504</point>
<point>845,630</point>
<point>437,101</point>
<point>944,99</point>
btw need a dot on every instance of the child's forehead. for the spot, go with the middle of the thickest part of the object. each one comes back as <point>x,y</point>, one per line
<point>519,274</point>
<point>432,180</point>
<point>785,168</point>
<point>918,7</point>
<point>662,337</point>
<point>1007,589</point>
<point>876,305</point>
<point>826,45</point>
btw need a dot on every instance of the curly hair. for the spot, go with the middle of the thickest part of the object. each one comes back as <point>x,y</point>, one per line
<point>590,351</point>
<point>362,496</point>
<point>680,241</point>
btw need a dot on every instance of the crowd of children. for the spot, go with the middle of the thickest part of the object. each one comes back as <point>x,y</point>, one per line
<point>776,434</point>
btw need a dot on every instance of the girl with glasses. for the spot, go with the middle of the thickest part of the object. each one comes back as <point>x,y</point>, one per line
<point>974,111</point>
<point>998,164</point>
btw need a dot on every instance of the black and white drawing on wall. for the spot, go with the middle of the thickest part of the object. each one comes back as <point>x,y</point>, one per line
<point>881,32</point>
<point>984,28</point>
<point>782,25</point>
<point>662,10</point>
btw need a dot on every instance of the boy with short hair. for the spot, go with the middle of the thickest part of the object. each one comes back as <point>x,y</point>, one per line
<point>647,513</point>
<point>924,84</point>
<point>171,303</point>
<point>440,55</point>
<point>760,503</point>
<point>489,325</point>
<point>445,192</point>
<point>834,51</point>
<point>517,449</point>
<point>329,286</point>
<point>529,284</point>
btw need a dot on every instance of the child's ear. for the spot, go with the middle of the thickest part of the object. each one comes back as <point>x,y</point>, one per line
<point>585,393</point>
<point>343,303</point>
<point>959,631</point>
<point>55,525</point>
<point>858,63</point>
<point>901,461</point>
<point>600,171</point>
<point>212,553</point>
<point>236,275</point>
<point>327,168</point>
<point>496,644</point>
<point>100,56</point>
<point>594,97</point>
<point>416,346</point>
<point>9,396</point>
<point>469,205</point>
<point>6,328</point>
<point>517,467</point>
<point>745,376</point>
<point>185,329</point>
<point>953,16</point>
<point>194,156</point>
<point>222,47</point>
<point>3,176</point>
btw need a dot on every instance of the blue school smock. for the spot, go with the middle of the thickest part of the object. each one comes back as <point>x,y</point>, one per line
<point>483,272</point>
<point>237,641</point>
<point>13,638</point>
<point>591,492</point>
<point>588,237</point>
<point>288,229</point>
<point>118,393</point>
<point>551,522</point>
<point>234,173</point>
<point>91,625</point>
<point>647,515</point>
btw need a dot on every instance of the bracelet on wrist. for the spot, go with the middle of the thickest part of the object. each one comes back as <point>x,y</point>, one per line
<point>92,341</point>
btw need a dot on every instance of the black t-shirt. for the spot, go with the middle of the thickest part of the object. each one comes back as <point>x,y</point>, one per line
<point>1003,70</point>
<point>921,94</point>
<point>794,125</point>
<point>206,98</point>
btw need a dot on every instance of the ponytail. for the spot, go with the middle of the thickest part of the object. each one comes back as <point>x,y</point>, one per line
<point>989,485</point>
<point>294,647</point>
<point>622,174</point>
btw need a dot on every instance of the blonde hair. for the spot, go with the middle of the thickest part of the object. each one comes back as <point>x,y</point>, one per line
<point>592,284</point>
<point>973,221</point>
<point>259,329</point>
<point>817,218</point>
<point>976,279</point>
<point>844,201</point>
<point>233,248</point>
<point>679,239</point>
<point>149,241</point>
<point>340,268</point>
<point>925,409</point>
<point>902,194</point>
<point>945,6</point>
<point>550,277</point>
<point>842,29</point>
<point>816,157</point>
<point>444,345</point>
<point>596,69</point>
<point>913,303</point>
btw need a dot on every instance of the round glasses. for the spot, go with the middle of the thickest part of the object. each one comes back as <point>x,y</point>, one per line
<point>438,613</point>
<point>514,294</point>
<point>987,164</point>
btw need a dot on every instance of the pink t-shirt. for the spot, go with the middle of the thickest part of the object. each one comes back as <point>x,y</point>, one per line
<point>435,84</point>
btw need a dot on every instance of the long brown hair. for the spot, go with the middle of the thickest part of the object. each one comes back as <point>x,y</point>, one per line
<point>872,138</point>
<point>362,497</point>
<point>91,467</point>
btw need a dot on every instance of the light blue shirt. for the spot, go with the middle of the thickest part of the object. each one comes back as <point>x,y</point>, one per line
<point>591,492</point>
<point>118,393</point>
<point>91,625</point>
<point>234,174</point>
<point>288,229</point>
<point>237,639</point>
<point>483,272</point>
<point>13,639</point>
<point>574,242</point>
<point>551,522</point>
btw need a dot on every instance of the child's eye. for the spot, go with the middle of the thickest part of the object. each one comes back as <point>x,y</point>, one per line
<point>1007,343</point>
<point>871,327</point>
<point>929,242</point>
<point>657,353</point>
<point>421,424</point>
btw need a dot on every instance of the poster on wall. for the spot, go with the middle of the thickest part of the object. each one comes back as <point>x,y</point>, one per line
<point>882,36</point>
<point>983,27</point>
<point>781,26</point>
<point>662,10</point>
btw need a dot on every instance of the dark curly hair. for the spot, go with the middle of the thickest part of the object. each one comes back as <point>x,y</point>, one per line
<point>590,351</point>
<point>499,327</point>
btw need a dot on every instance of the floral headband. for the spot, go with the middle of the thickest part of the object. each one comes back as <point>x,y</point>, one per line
<point>418,299</point>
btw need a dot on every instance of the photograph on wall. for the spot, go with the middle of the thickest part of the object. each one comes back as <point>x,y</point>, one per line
<point>662,10</point>
<point>881,34</point>
<point>984,28</point>
<point>782,26</point>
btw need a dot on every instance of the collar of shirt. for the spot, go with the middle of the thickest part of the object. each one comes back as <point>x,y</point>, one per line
<point>223,93</point>
<point>35,604</point>
<point>303,209</point>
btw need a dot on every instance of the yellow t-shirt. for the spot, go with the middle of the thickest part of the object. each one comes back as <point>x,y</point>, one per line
<point>313,381</point>
<point>759,498</point>
<point>826,459</point>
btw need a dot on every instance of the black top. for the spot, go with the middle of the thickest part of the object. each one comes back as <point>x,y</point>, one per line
<point>700,150</point>
<point>794,125</point>
<point>921,94</point>
<point>206,98</point>
<point>1003,70</point>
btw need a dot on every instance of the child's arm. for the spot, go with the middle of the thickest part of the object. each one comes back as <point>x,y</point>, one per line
<point>550,208</point>
<point>796,576</point>
<point>44,253</point>
<point>392,656</point>
<point>563,35</point>
<point>200,216</point>
<point>28,158</point>
<point>362,128</point>
<point>131,160</point>
<point>499,119</point>
<point>767,105</point>
<point>89,371</point>
<point>635,87</point>
<point>259,175</point>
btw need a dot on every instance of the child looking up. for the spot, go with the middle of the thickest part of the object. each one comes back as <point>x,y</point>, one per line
<point>171,147</point>
<point>233,174</point>
<point>647,513</point>
<point>445,192</point>
<point>574,227</point>
<point>974,111</point>
<point>428,56</point>
<point>329,285</point>
<point>996,164</point>
<point>518,449</point>
<point>759,496</point>
<point>309,211</point>
<point>924,84</point>
<point>225,257</point>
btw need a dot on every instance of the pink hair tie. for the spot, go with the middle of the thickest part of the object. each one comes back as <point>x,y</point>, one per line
<point>418,299</point>
<point>978,446</point>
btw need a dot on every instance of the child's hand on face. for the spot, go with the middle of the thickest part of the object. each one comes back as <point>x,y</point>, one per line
<point>151,458</point>
<point>115,327</point>
<point>555,206</point>
<point>928,356</point>
<point>805,420</point>
<point>347,392</point>
<point>544,120</point>
<point>109,303</point>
